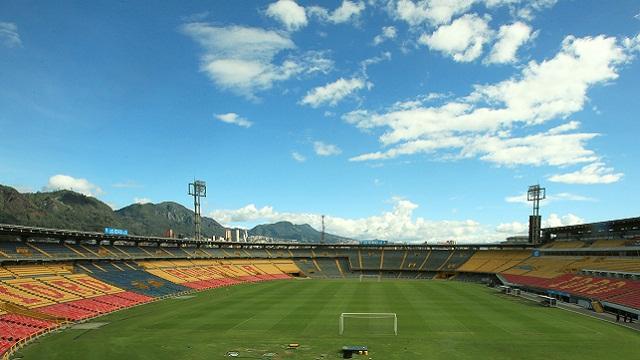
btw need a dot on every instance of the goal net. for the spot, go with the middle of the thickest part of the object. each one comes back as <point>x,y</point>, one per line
<point>365,277</point>
<point>368,324</point>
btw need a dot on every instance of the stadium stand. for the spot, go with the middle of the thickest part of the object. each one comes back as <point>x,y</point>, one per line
<point>457,258</point>
<point>552,266</point>
<point>435,260</point>
<point>565,245</point>
<point>308,267</point>
<point>57,291</point>
<point>129,276</point>
<point>302,253</point>
<point>54,251</point>
<point>371,259</point>
<point>393,259</point>
<point>601,244</point>
<point>415,259</point>
<point>618,291</point>
<point>493,261</point>
<point>329,267</point>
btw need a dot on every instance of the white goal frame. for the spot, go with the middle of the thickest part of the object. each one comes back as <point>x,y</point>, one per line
<point>368,316</point>
<point>369,276</point>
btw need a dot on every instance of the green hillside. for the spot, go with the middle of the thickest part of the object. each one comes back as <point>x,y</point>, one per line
<point>70,210</point>
<point>302,233</point>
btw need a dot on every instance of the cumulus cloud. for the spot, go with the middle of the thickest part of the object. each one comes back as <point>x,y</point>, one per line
<point>298,157</point>
<point>79,185</point>
<point>397,224</point>
<point>241,59</point>
<point>510,38</point>
<point>438,12</point>
<point>595,173</point>
<point>289,13</point>
<point>233,118</point>
<point>481,124</point>
<point>463,39</point>
<point>567,220</point>
<point>554,220</point>
<point>142,201</point>
<point>346,12</point>
<point>334,92</point>
<point>388,32</point>
<point>9,35</point>
<point>324,149</point>
<point>513,228</point>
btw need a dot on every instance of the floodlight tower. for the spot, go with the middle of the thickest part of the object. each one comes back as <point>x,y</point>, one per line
<point>197,189</point>
<point>535,194</point>
<point>322,233</point>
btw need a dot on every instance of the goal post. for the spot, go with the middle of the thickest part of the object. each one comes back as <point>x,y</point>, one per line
<point>368,323</point>
<point>367,277</point>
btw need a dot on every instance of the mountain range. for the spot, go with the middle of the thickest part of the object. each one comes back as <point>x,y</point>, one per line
<point>302,233</point>
<point>67,209</point>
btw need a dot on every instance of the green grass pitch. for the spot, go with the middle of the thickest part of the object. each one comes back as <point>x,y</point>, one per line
<point>436,320</point>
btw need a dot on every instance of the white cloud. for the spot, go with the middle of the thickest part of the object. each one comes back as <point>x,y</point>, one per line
<point>463,39</point>
<point>388,33</point>
<point>289,13</point>
<point>525,10</point>
<point>364,64</point>
<point>554,220</point>
<point>567,220</point>
<point>538,149</point>
<point>324,149</point>
<point>346,12</point>
<point>66,182</point>
<point>397,224</point>
<point>510,38</point>
<point>564,196</point>
<point>142,201</point>
<point>241,59</point>
<point>233,118</point>
<point>298,157</point>
<point>481,124</point>
<point>334,92</point>
<point>513,228</point>
<point>434,12</point>
<point>438,12</point>
<point>9,35</point>
<point>23,188</point>
<point>596,173</point>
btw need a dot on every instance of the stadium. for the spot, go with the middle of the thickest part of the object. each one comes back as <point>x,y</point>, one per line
<point>319,180</point>
<point>67,294</point>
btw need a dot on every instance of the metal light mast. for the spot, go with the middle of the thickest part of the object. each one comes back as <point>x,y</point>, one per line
<point>535,194</point>
<point>322,233</point>
<point>197,189</point>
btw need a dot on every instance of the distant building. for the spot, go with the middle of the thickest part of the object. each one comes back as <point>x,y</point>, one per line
<point>236,235</point>
<point>261,239</point>
<point>169,233</point>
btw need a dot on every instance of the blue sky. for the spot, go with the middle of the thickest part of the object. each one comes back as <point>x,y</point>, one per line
<point>405,120</point>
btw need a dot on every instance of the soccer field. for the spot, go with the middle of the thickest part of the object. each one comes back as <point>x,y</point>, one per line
<point>436,320</point>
